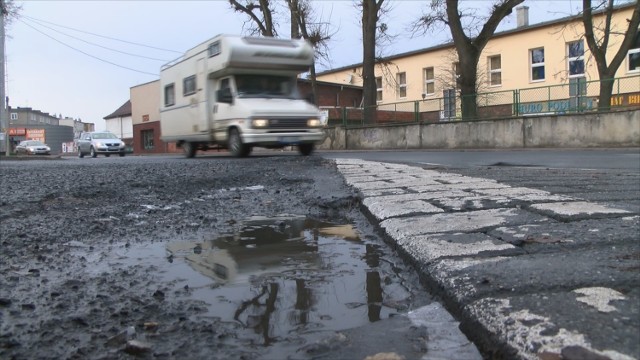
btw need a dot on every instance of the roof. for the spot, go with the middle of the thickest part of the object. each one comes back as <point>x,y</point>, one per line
<point>498,34</point>
<point>124,110</point>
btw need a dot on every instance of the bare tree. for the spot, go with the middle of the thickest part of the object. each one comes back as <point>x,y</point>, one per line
<point>599,45</point>
<point>11,10</point>
<point>304,24</point>
<point>468,46</point>
<point>260,14</point>
<point>371,11</point>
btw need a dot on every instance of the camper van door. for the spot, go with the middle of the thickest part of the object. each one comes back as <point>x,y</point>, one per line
<point>221,110</point>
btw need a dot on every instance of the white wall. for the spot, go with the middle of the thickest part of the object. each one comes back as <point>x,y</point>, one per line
<point>122,127</point>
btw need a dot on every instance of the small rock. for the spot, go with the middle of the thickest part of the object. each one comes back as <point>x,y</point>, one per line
<point>117,340</point>
<point>580,353</point>
<point>158,295</point>
<point>136,347</point>
<point>385,356</point>
<point>151,326</point>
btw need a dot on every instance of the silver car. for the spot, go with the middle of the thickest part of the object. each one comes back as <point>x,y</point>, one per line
<point>33,147</point>
<point>100,142</point>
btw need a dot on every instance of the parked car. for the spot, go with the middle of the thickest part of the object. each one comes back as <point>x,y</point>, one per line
<point>33,147</point>
<point>100,142</point>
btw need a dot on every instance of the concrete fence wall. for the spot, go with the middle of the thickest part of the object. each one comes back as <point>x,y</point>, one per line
<point>613,129</point>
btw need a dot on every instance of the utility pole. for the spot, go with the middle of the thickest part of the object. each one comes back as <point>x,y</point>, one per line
<point>4,119</point>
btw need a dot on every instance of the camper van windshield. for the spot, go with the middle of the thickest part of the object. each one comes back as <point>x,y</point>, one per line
<point>265,86</point>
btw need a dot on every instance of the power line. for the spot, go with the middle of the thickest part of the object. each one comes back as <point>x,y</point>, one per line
<point>98,45</point>
<point>102,36</point>
<point>80,51</point>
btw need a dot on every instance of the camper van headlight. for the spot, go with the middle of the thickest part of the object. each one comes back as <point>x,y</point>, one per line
<point>259,123</point>
<point>313,123</point>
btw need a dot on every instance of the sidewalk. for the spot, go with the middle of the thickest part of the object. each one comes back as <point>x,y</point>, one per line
<point>529,274</point>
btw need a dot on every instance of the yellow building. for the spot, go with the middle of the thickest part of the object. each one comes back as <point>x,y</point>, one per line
<point>549,64</point>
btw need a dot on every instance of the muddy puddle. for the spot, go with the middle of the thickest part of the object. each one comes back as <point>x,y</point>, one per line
<point>284,280</point>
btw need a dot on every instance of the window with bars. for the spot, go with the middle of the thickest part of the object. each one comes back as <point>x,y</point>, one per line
<point>401,79</point>
<point>575,55</point>
<point>537,64</point>
<point>495,70</point>
<point>147,139</point>
<point>429,81</point>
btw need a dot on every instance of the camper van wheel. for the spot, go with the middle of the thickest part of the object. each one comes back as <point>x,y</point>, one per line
<point>235,145</point>
<point>189,149</point>
<point>305,149</point>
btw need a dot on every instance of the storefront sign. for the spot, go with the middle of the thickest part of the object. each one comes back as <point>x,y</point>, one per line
<point>35,134</point>
<point>17,131</point>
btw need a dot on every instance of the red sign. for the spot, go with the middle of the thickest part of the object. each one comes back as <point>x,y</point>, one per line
<point>17,131</point>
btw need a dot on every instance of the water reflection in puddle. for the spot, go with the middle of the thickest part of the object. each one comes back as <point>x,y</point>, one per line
<point>282,277</point>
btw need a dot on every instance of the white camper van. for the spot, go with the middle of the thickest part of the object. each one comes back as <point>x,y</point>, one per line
<point>239,93</point>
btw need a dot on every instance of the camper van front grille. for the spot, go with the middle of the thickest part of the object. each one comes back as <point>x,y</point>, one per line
<point>275,124</point>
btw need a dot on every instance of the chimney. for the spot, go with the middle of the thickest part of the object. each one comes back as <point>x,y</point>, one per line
<point>522,13</point>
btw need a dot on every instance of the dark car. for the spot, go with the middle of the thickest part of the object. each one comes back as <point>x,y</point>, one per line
<point>33,147</point>
<point>100,142</point>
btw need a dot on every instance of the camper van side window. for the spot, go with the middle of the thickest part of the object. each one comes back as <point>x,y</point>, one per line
<point>189,85</point>
<point>169,95</point>
<point>214,49</point>
<point>225,83</point>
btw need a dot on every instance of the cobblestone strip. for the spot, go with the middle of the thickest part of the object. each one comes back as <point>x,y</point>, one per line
<point>512,259</point>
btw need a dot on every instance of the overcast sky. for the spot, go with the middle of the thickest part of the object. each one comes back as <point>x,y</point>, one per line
<point>80,58</point>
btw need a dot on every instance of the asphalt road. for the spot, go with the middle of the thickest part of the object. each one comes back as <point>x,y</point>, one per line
<point>622,159</point>
<point>535,252</point>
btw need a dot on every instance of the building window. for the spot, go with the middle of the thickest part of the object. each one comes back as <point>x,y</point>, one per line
<point>14,116</point>
<point>378,88</point>
<point>401,78</point>
<point>189,85</point>
<point>575,54</point>
<point>169,95</point>
<point>537,64</point>
<point>449,109</point>
<point>495,70</point>
<point>633,57</point>
<point>214,48</point>
<point>429,81</point>
<point>147,139</point>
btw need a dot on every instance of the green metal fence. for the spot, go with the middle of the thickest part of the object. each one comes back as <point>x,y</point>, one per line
<point>577,95</point>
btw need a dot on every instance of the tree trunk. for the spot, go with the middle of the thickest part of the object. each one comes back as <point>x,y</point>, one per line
<point>467,83</point>
<point>606,89</point>
<point>314,83</point>
<point>295,26</point>
<point>369,22</point>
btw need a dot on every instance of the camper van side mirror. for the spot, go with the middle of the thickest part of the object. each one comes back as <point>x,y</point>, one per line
<point>224,96</point>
